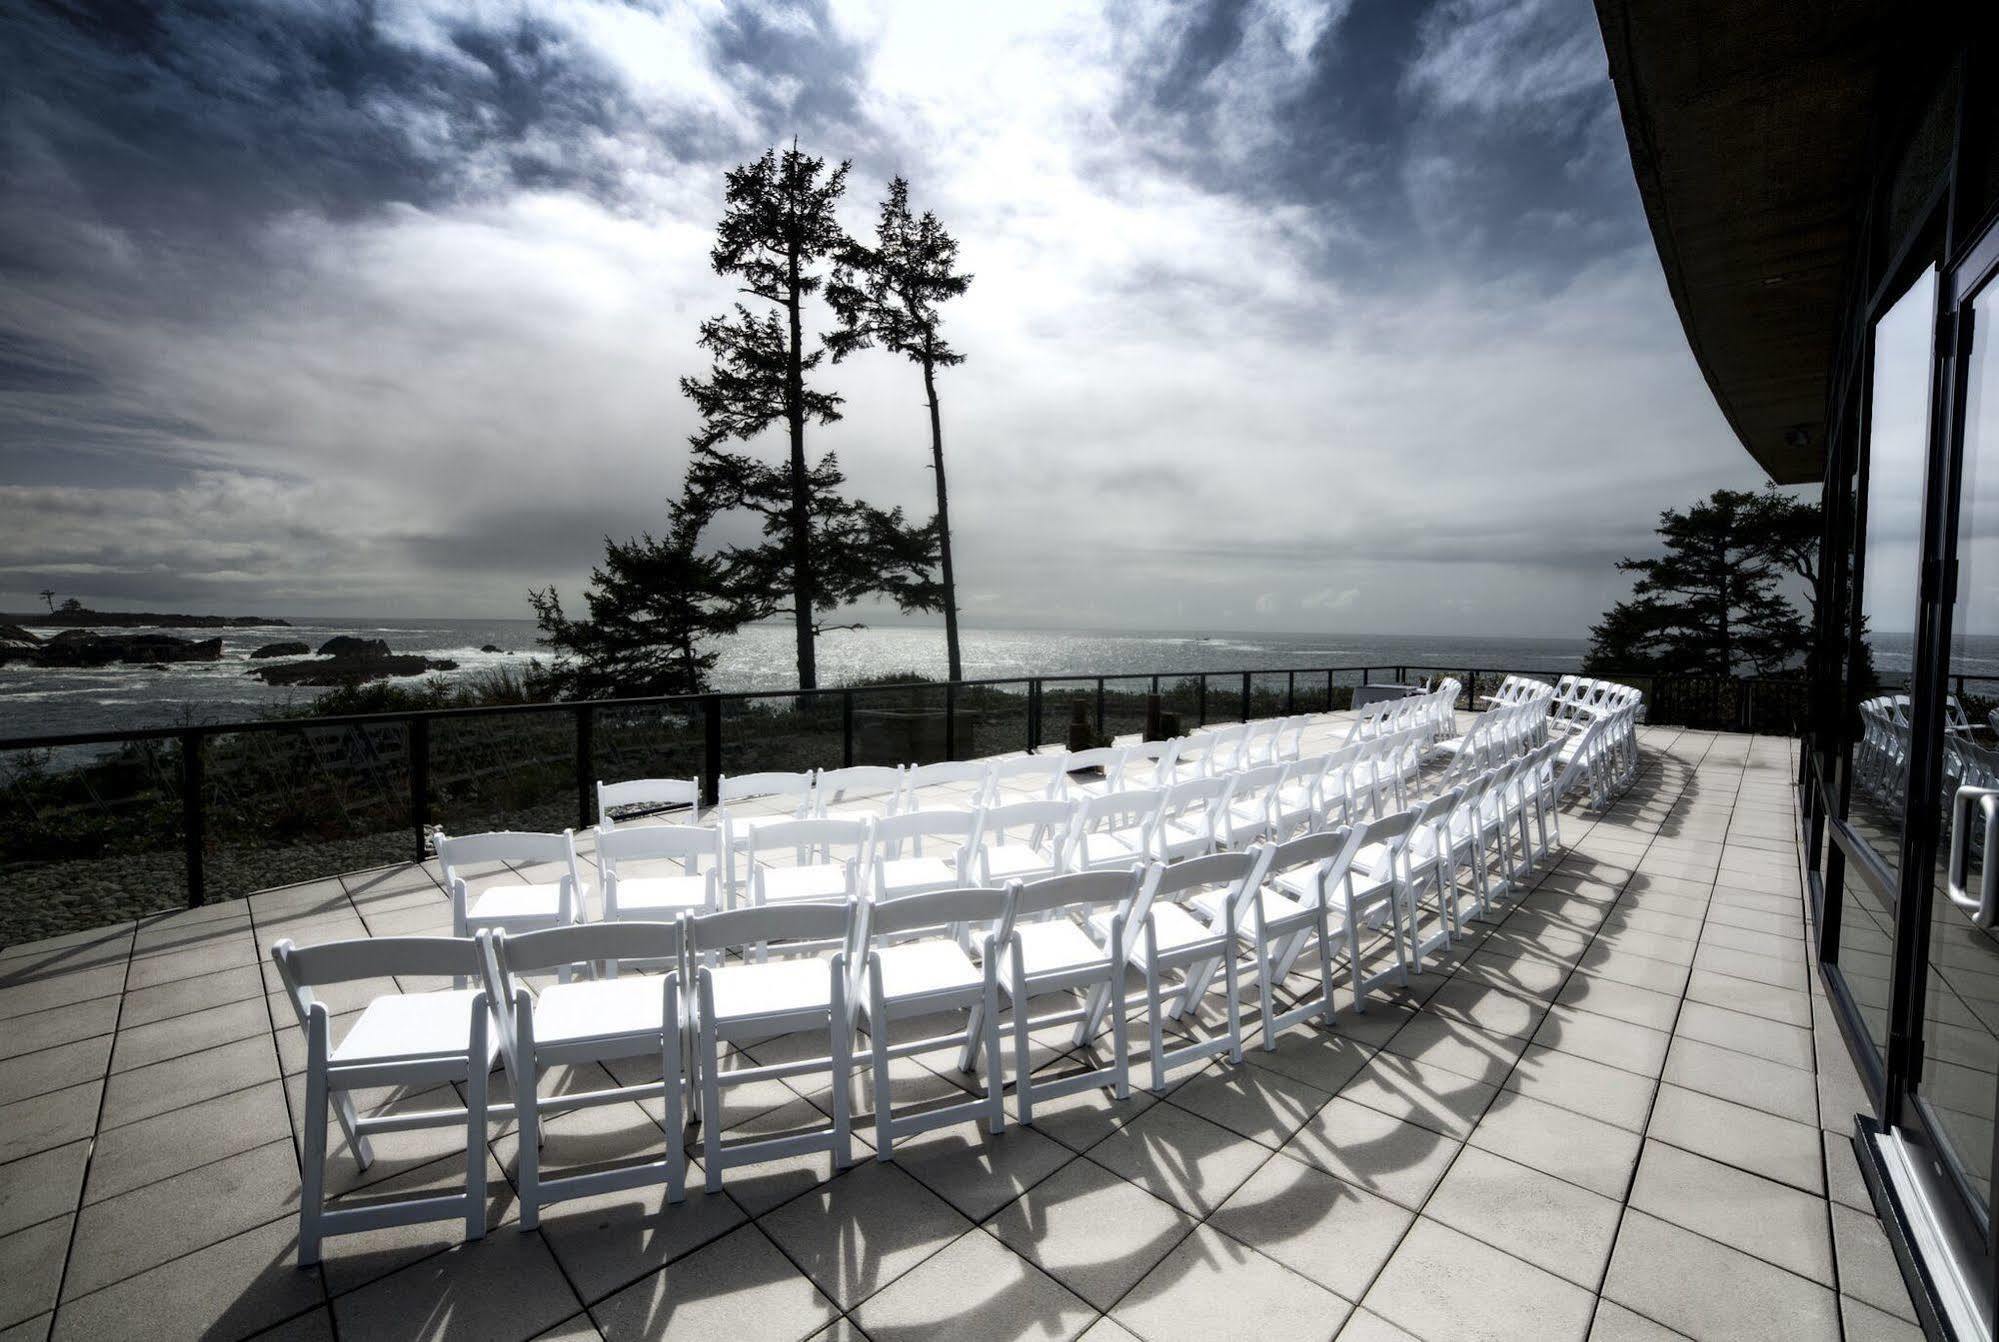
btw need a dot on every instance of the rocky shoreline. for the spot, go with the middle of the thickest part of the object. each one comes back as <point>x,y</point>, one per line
<point>117,619</point>
<point>82,648</point>
<point>341,661</point>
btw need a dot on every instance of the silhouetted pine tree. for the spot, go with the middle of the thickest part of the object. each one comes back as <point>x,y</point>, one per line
<point>888,295</point>
<point>1709,605</point>
<point>821,551</point>
<point>655,604</point>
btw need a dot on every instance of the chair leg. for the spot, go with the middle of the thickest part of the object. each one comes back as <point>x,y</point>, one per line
<point>975,1033</point>
<point>312,1167</point>
<point>841,1036</point>
<point>1022,1070</point>
<point>358,1145</point>
<point>1120,1038</point>
<point>711,1101</point>
<point>1266,1000</point>
<point>527,1120</point>
<point>676,1117</point>
<point>1327,1007</point>
<point>995,1066</point>
<point>1234,1008</point>
<point>1155,1036</point>
<point>475,1141</point>
<point>884,1120</point>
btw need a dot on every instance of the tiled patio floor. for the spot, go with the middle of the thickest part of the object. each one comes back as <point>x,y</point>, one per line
<point>1620,1112</point>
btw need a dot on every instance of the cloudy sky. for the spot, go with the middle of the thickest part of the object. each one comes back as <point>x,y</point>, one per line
<point>1287,315</point>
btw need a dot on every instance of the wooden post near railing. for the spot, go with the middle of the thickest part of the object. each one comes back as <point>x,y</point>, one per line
<point>193,833</point>
<point>1201,700</point>
<point>711,749</point>
<point>1100,707</point>
<point>419,732</point>
<point>1290,693</point>
<point>1245,696</point>
<point>1033,714</point>
<point>950,719</point>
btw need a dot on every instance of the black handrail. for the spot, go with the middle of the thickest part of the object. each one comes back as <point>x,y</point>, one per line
<point>708,709</point>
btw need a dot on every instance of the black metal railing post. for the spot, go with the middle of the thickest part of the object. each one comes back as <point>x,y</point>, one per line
<point>1367,675</point>
<point>586,765</point>
<point>1201,700</point>
<point>1330,674</point>
<point>1290,693</point>
<point>1245,696</point>
<point>846,729</point>
<point>950,719</point>
<point>711,749</point>
<point>192,816</point>
<point>1100,707</point>
<point>419,730</point>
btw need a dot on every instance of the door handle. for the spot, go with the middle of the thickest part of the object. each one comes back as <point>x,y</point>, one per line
<point>1984,905</point>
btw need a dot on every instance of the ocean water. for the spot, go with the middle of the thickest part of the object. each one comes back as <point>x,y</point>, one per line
<point>36,701</point>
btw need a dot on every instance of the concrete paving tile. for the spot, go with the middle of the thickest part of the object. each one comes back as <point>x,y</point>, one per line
<point>1615,1323</point>
<point>1264,1105</point>
<point>164,1086</point>
<point>166,1144</point>
<point>1864,1323</point>
<point>976,1289</point>
<point>43,1185</point>
<point>977,1172</point>
<point>1491,1009</point>
<point>1745,1211</point>
<point>1365,1326</point>
<point>228,1289</point>
<point>1434,1097</point>
<point>349,1262</point>
<point>1589,1152</point>
<point>135,1231</point>
<point>607,1241</point>
<point>58,1025</point>
<point>49,990</point>
<point>1457,1046</point>
<point>1605,1039</point>
<point>1737,1135</point>
<point>54,1119</point>
<point>1093,1231</point>
<point>1199,1290</point>
<point>506,1285</point>
<point>1867,1267</point>
<point>192,1033</point>
<point>1180,1157</point>
<point>1553,1224</point>
<point>29,1074</point>
<point>1319,1226</point>
<point>1398,1160</point>
<point>1708,1290</point>
<point>31,1262</point>
<point>859,1232</point>
<point>1743,1079</point>
<point>740,1287</point>
<point>1441,1283</point>
<point>1321,1059</point>
<point>1754,1035</point>
<point>1785,1005</point>
<point>1593,1088</point>
<point>1620,1001</point>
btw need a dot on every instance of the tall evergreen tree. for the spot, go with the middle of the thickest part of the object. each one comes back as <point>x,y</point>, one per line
<point>888,295</point>
<point>821,550</point>
<point>655,606</point>
<point>1710,604</point>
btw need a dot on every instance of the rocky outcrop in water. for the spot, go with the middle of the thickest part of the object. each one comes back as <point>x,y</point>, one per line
<point>82,648</point>
<point>376,662</point>
<point>346,645</point>
<point>289,648</point>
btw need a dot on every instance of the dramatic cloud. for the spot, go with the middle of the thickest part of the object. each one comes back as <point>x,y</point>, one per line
<point>1287,315</point>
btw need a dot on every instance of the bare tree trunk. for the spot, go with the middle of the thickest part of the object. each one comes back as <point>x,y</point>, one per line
<point>957,664</point>
<point>801,506</point>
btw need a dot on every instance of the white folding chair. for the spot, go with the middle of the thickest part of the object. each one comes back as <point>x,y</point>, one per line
<point>911,974</point>
<point>585,1021</point>
<point>1188,816</point>
<point>826,857</point>
<point>637,798</point>
<point>1023,841</point>
<point>968,782</point>
<point>412,1040</point>
<point>789,992</point>
<point>1277,916</point>
<point>1114,831</point>
<point>1417,859</point>
<point>1250,813</point>
<point>628,858</point>
<point>857,792</point>
<point>1048,951</point>
<point>789,795</point>
<point>502,901</point>
<point>1025,778</point>
<point>897,864</point>
<point>1161,937</point>
<point>1299,802</point>
<point>1148,764</point>
<point>1093,772</point>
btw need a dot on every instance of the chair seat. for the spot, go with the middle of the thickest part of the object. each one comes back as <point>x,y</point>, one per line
<point>1106,847</point>
<point>1056,947</point>
<point>1275,904</point>
<point>774,988</point>
<point>907,875</point>
<point>817,880</point>
<point>505,902</point>
<point>638,894</point>
<point>1173,929</point>
<point>1177,839</point>
<point>629,1005</point>
<point>412,1025</point>
<point>1012,861</point>
<point>925,968</point>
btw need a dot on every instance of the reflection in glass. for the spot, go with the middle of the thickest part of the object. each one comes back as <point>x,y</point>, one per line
<point>1960,1081</point>
<point>1898,428</point>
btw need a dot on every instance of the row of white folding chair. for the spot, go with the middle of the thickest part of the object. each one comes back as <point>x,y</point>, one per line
<point>1602,758</point>
<point>1519,689</point>
<point>1426,711</point>
<point>1498,736</point>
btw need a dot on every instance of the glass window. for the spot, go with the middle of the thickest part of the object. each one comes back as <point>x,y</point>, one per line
<point>1960,1081</point>
<point>1898,430</point>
